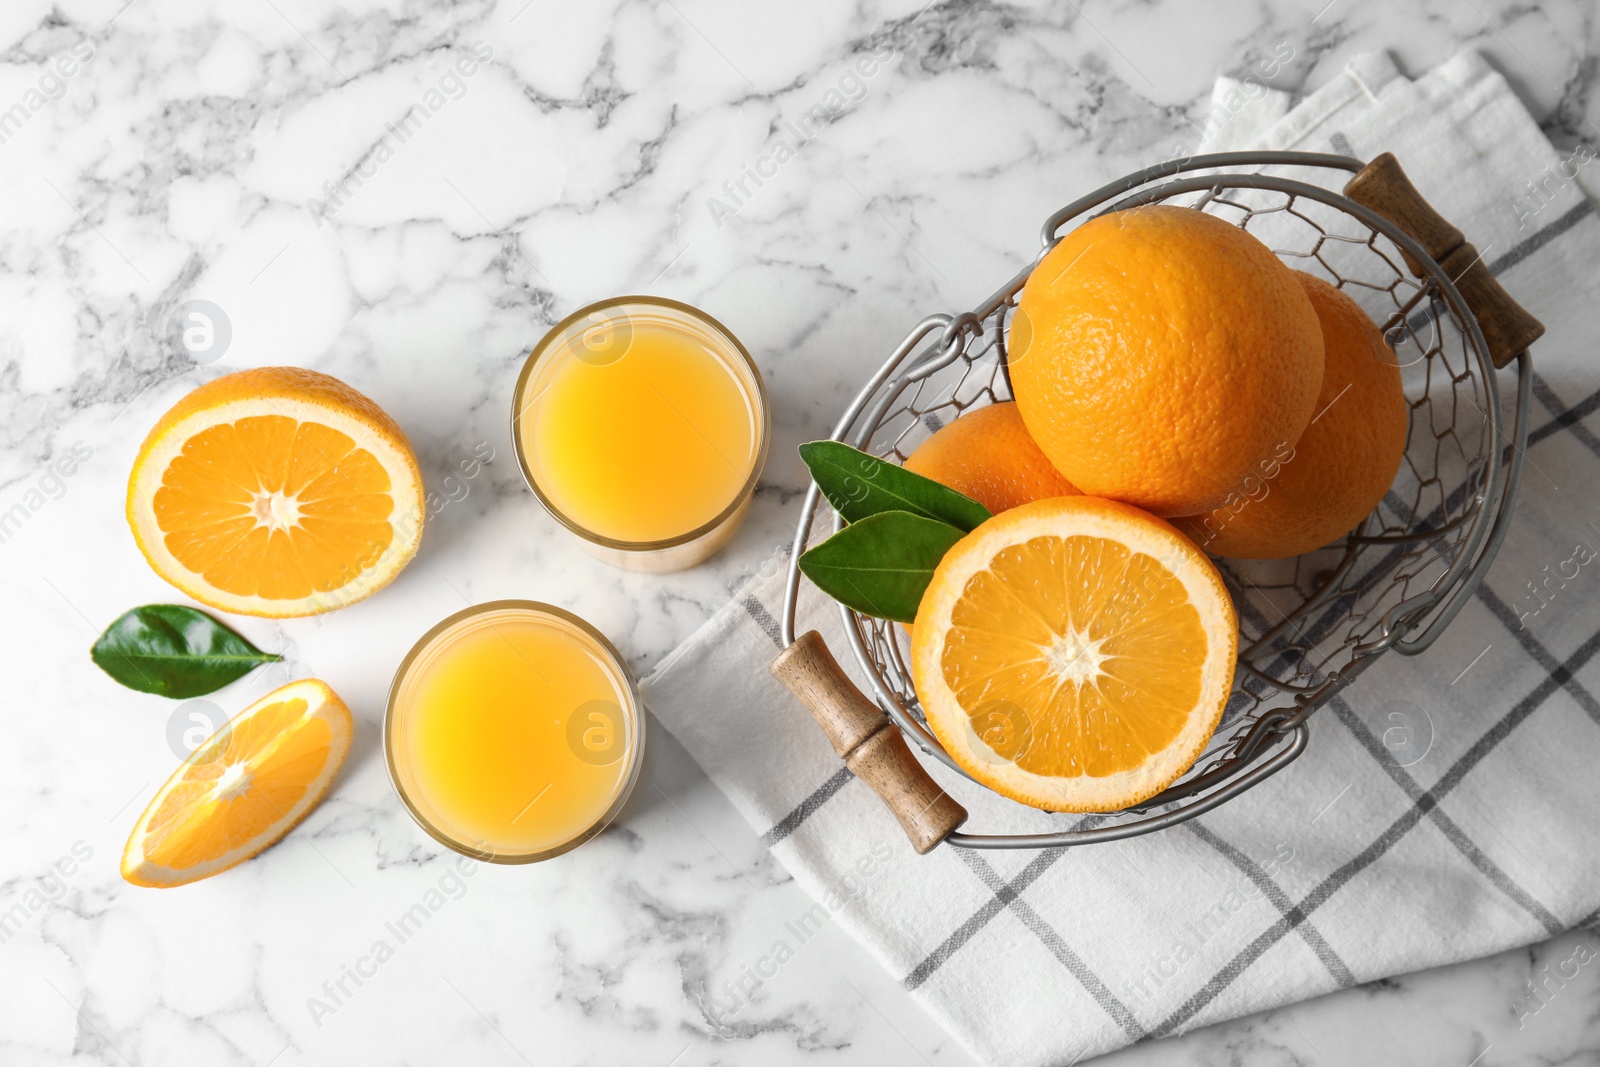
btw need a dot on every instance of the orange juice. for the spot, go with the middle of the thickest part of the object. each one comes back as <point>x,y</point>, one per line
<point>641,424</point>
<point>512,732</point>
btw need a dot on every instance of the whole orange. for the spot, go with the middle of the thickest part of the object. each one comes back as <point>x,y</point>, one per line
<point>1158,354</point>
<point>988,455</point>
<point>1340,467</point>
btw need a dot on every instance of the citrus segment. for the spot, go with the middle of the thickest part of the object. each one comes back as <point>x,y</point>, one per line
<point>243,789</point>
<point>276,492</point>
<point>1074,654</point>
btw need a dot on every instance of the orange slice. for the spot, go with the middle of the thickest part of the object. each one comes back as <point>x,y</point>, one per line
<point>276,491</point>
<point>243,789</point>
<point>1075,654</point>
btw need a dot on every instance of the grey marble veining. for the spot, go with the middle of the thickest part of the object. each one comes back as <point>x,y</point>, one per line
<point>265,155</point>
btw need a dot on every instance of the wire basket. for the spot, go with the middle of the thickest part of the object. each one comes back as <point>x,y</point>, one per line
<point>1308,625</point>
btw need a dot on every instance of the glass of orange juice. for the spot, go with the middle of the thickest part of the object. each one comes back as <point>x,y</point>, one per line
<point>641,424</point>
<point>513,733</point>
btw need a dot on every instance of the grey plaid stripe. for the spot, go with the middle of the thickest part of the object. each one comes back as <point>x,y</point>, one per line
<point>1521,251</point>
<point>1003,896</point>
<point>1564,222</point>
<point>1335,881</point>
<point>1535,648</point>
<point>1457,837</point>
<point>1558,675</point>
<point>819,796</point>
<point>1447,826</point>
<point>1565,417</point>
<point>769,626</point>
<point>1280,900</point>
<point>1007,895</point>
<point>1241,598</point>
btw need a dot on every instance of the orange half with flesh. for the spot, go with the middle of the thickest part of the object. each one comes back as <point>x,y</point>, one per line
<point>276,492</point>
<point>1075,654</point>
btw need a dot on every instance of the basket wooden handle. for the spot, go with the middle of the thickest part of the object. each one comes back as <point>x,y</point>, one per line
<point>867,741</point>
<point>1507,326</point>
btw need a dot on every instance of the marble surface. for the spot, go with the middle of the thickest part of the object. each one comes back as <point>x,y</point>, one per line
<point>247,153</point>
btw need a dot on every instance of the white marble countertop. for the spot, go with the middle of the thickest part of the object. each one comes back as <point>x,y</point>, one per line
<point>592,149</point>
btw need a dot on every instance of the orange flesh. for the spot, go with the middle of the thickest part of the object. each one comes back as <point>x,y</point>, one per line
<point>269,506</point>
<point>1097,647</point>
<point>188,830</point>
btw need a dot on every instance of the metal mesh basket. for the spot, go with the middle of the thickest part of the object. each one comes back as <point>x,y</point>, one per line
<point>1308,625</point>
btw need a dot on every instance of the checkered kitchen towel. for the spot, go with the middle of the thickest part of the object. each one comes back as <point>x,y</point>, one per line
<point>1350,865</point>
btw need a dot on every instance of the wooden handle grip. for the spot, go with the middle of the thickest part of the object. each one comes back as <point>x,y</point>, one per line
<point>1507,326</point>
<point>869,744</point>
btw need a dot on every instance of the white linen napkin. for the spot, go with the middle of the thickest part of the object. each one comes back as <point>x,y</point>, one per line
<point>1479,831</point>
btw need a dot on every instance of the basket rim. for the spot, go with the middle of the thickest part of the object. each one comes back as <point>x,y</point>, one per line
<point>1289,737</point>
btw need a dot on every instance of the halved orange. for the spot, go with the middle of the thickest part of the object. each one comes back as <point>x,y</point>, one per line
<point>243,789</point>
<point>276,491</point>
<point>1075,653</point>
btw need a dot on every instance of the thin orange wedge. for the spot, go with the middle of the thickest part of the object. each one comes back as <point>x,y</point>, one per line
<point>1075,654</point>
<point>243,789</point>
<point>276,491</point>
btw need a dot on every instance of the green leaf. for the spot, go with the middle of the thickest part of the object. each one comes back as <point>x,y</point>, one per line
<point>881,565</point>
<point>175,651</point>
<point>859,485</point>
